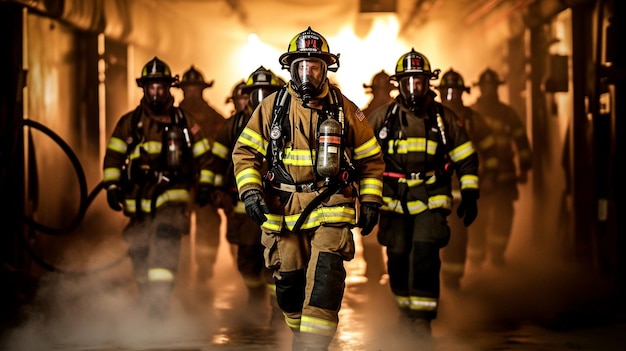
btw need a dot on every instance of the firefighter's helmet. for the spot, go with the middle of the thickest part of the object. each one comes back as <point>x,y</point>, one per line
<point>380,81</point>
<point>452,80</point>
<point>261,83</point>
<point>194,77</point>
<point>413,75</point>
<point>489,76</point>
<point>156,70</point>
<point>237,91</point>
<point>309,44</point>
<point>414,63</point>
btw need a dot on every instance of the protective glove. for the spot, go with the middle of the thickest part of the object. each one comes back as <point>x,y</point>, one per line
<point>203,196</point>
<point>115,197</point>
<point>368,217</point>
<point>255,205</point>
<point>468,208</point>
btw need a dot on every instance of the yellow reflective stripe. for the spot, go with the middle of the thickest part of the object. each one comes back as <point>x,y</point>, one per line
<point>240,207</point>
<point>462,151</point>
<point>469,181</point>
<point>118,145</point>
<point>402,302</point>
<point>249,176</point>
<point>293,323</point>
<point>487,142</point>
<point>274,222</point>
<point>367,149</point>
<point>412,145</point>
<point>219,180</point>
<point>298,157</point>
<point>201,147</point>
<point>491,163</point>
<point>220,150</point>
<point>173,195</point>
<point>371,186</point>
<point>112,174</point>
<point>254,140</point>
<point>318,326</point>
<point>207,176</point>
<point>160,275</point>
<point>321,215</point>
<point>423,303</point>
<point>440,201</point>
<point>150,147</point>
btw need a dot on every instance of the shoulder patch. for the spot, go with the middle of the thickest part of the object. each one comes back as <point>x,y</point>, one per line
<point>195,128</point>
<point>359,114</point>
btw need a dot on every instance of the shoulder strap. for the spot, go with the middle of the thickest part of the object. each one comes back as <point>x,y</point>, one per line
<point>281,106</point>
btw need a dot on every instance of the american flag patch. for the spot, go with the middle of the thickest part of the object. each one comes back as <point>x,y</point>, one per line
<point>359,114</point>
<point>195,129</point>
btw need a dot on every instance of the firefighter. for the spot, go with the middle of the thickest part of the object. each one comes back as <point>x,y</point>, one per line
<point>451,88</point>
<point>490,235</point>
<point>380,89</point>
<point>207,218</point>
<point>423,146</point>
<point>242,231</point>
<point>154,157</point>
<point>316,143</point>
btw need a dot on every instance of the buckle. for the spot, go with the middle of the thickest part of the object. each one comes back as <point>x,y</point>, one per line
<point>306,188</point>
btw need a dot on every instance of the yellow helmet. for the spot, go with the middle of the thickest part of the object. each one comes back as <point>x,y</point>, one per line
<point>414,63</point>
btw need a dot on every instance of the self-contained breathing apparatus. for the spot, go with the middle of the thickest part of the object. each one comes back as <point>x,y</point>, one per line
<point>333,168</point>
<point>174,163</point>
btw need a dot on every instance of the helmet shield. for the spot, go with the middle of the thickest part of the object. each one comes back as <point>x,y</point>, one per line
<point>257,95</point>
<point>308,76</point>
<point>413,89</point>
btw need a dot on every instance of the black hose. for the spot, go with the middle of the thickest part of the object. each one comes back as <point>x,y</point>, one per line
<point>85,201</point>
<point>82,183</point>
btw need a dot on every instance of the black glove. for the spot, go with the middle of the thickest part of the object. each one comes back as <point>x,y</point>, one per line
<point>203,196</point>
<point>255,205</point>
<point>468,208</point>
<point>115,197</point>
<point>368,217</point>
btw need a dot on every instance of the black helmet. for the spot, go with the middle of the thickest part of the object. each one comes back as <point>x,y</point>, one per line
<point>156,70</point>
<point>452,80</point>
<point>261,83</point>
<point>237,91</point>
<point>380,81</point>
<point>194,77</point>
<point>489,76</point>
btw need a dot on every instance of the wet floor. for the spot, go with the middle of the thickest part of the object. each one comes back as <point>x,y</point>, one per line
<point>517,307</point>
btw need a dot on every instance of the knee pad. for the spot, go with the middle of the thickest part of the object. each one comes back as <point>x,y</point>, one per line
<point>290,290</point>
<point>329,284</point>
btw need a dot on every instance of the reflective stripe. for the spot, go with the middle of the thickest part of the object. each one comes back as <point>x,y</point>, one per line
<point>423,303</point>
<point>160,275</point>
<point>469,181</point>
<point>150,147</point>
<point>240,207</point>
<point>416,206</point>
<point>118,145</point>
<point>112,174</point>
<point>462,151</point>
<point>298,157</point>
<point>367,149</point>
<point>371,186</point>
<point>220,150</point>
<point>201,147</point>
<point>207,177</point>
<point>173,195</point>
<point>248,176</point>
<point>318,326</point>
<point>317,217</point>
<point>456,268</point>
<point>293,323</point>
<point>254,140</point>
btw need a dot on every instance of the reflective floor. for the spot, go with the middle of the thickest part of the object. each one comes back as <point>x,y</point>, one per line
<point>539,304</point>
